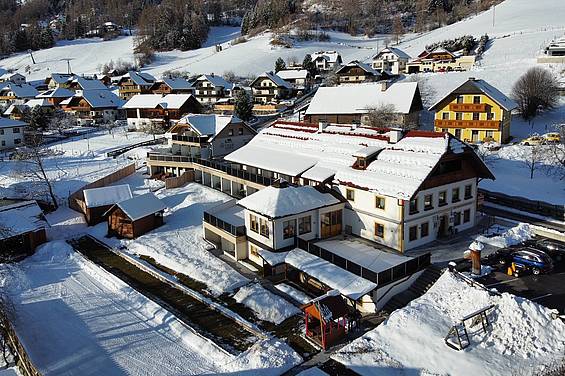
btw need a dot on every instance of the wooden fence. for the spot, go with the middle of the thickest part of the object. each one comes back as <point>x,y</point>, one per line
<point>76,199</point>
<point>179,181</point>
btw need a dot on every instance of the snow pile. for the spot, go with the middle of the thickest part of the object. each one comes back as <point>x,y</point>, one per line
<point>523,336</point>
<point>502,237</point>
<point>266,305</point>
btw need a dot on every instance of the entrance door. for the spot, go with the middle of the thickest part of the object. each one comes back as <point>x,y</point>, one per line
<point>442,226</point>
<point>331,224</point>
<point>474,136</point>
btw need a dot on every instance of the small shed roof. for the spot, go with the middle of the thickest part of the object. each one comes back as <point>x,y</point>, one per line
<point>141,206</point>
<point>19,218</point>
<point>209,124</point>
<point>293,74</point>
<point>59,92</point>
<point>95,197</point>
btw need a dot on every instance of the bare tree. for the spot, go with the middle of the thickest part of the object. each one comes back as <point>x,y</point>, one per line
<point>61,121</point>
<point>427,91</point>
<point>532,157</point>
<point>536,90</point>
<point>152,128</point>
<point>397,28</point>
<point>382,115</point>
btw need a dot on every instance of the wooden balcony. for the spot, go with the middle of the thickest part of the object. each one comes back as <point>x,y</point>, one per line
<point>474,124</point>
<point>468,107</point>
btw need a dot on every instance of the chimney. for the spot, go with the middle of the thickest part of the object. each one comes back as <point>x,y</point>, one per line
<point>385,85</point>
<point>472,78</point>
<point>321,126</point>
<point>212,74</point>
<point>394,135</point>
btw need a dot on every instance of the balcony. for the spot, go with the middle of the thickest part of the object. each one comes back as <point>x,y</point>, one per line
<point>235,228</point>
<point>475,124</point>
<point>468,107</point>
<point>190,139</point>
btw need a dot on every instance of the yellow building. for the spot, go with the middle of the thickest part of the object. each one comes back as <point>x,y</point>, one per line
<point>475,112</point>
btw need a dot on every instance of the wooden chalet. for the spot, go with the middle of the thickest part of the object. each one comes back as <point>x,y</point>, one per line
<point>145,109</point>
<point>268,88</point>
<point>172,86</point>
<point>136,216</point>
<point>12,93</point>
<point>58,80</point>
<point>133,83</point>
<point>210,88</point>
<point>56,96</point>
<point>97,201</point>
<point>23,229</point>
<point>356,72</point>
<point>98,106</point>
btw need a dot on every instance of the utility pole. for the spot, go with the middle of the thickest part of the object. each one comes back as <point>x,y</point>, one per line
<point>68,60</point>
<point>493,14</point>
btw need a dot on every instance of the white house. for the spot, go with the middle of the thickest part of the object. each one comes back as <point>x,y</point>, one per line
<point>11,133</point>
<point>326,60</point>
<point>391,60</point>
<point>150,109</point>
<point>209,88</point>
<point>298,78</point>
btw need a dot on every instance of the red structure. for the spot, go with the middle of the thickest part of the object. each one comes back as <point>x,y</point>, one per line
<point>326,319</point>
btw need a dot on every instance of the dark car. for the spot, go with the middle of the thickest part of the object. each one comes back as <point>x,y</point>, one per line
<point>555,249</point>
<point>531,260</point>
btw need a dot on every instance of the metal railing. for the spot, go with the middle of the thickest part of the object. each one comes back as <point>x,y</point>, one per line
<point>193,139</point>
<point>219,166</point>
<point>223,225</point>
<point>523,204</point>
<point>382,278</point>
<point>120,151</point>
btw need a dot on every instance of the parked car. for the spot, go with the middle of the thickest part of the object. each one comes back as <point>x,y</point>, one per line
<point>533,141</point>
<point>526,260</point>
<point>552,138</point>
<point>554,249</point>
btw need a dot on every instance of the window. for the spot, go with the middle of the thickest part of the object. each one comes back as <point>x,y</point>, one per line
<point>489,134</point>
<point>379,230</point>
<point>456,218</point>
<point>424,229</point>
<point>17,141</point>
<point>468,191</point>
<point>458,116</point>
<point>254,223</point>
<point>490,115</point>
<point>254,250</point>
<point>16,130</point>
<point>428,202</point>
<point>476,116</point>
<point>466,215</point>
<point>350,193</point>
<point>413,233</point>
<point>288,229</point>
<point>458,133</point>
<point>477,99</point>
<point>414,206</point>
<point>1,131</point>
<point>264,227</point>
<point>230,132</point>
<point>380,202</point>
<point>3,143</point>
<point>455,195</point>
<point>445,116</point>
<point>459,99</point>
<point>304,225</point>
<point>240,131</point>
<point>474,136</point>
<point>442,198</point>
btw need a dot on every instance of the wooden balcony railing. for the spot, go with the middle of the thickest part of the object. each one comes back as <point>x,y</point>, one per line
<point>468,107</point>
<point>479,124</point>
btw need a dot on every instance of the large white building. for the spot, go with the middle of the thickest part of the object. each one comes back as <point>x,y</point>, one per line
<point>11,133</point>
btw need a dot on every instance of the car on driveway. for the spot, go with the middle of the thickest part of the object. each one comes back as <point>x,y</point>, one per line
<point>554,249</point>
<point>525,259</point>
<point>534,141</point>
<point>552,138</point>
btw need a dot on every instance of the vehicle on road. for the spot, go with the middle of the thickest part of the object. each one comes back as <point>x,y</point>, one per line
<point>552,138</point>
<point>533,141</point>
<point>525,260</point>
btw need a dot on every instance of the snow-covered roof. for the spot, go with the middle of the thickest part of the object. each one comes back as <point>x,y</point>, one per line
<point>330,56</point>
<point>177,83</point>
<point>292,74</point>
<point>473,84</point>
<point>357,63</point>
<point>20,91</point>
<point>19,218</point>
<point>139,78</point>
<point>357,99</point>
<point>41,102</point>
<point>10,123</point>
<point>9,76</point>
<point>209,124</point>
<point>347,283</point>
<point>275,202</point>
<point>169,101</point>
<point>61,78</point>
<point>95,197</point>
<point>318,173</point>
<point>366,152</point>
<point>59,92</point>
<point>396,51</point>
<point>89,84</point>
<point>141,206</point>
<point>273,77</point>
<point>218,81</point>
<point>101,98</point>
<point>272,258</point>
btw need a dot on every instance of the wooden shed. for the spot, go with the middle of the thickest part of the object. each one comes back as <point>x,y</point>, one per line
<point>98,200</point>
<point>326,319</point>
<point>136,216</point>
<point>22,229</point>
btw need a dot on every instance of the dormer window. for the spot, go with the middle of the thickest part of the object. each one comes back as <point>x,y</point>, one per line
<point>362,163</point>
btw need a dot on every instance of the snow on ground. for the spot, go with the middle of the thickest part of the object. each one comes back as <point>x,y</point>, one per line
<point>179,243</point>
<point>502,237</point>
<point>92,323</point>
<point>75,162</point>
<point>294,293</point>
<point>523,337</point>
<point>266,305</point>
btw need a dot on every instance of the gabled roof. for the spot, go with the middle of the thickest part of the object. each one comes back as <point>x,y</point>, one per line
<point>20,218</point>
<point>273,77</point>
<point>59,78</point>
<point>178,83</point>
<point>141,206</point>
<point>20,91</point>
<point>138,78</point>
<point>330,56</point>
<point>8,76</point>
<point>42,102</point>
<point>10,123</point>
<point>97,99</point>
<point>293,74</point>
<point>396,51</point>
<point>357,99</point>
<point>169,101</point>
<point>95,197</point>
<point>59,92</point>
<point>477,86</point>
<point>209,124</point>
<point>357,63</point>
<point>216,81</point>
<point>89,84</point>
<point>274,202</point>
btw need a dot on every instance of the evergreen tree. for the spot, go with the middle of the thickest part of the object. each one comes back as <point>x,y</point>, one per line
<point>38,119</point>
<point>279,65</point>
<point>243,106</point>
<point>309,65</point>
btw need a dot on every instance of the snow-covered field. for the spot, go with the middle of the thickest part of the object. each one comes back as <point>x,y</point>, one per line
<point>522,340</point>
<point>266,305</point>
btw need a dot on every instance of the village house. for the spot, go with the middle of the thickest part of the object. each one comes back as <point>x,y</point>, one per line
<point>97,201</point>
<point>56,80</point>
<point>22,228</point>
<point>440,60</point>
<point>357,72</point>
<point>390,60</point>
<point>11,133</point>
<point>326,61</point>
<point>12,93</point>
<point>556,47</point>
<point>208,136</point>
<point>56,96</point>
<point>79,84</point>
<point>170,85</point>
<point>270,88</point>
<point>136,216</point>
<point>156,110</point>
<point>133,83</point>
<point>299,78</point>
<point>475,112</point>
<point>16,78</point>
<point>94,106</point>
<point>210,88</point>
<point>351,104</point>
<point>21,111</point>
